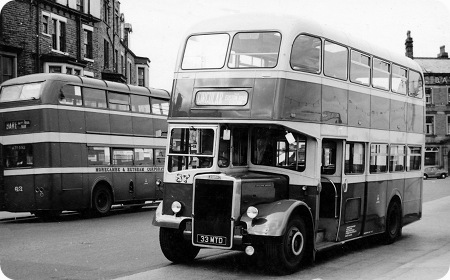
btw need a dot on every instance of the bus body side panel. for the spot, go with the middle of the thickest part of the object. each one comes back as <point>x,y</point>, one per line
<point>121,124</point>
<point>72,191</point>
<point>49,120</point>
<point>412,201</point>
<point>376,207</point>
<point>124,185</point>
<point>71,121</point>
<point>20,193</point>
<point>352,216</point>
<point>158,124</point>
<point>143,126</point>
<point>96,122</point>
<point>31,116</point>
<point>48,192</point>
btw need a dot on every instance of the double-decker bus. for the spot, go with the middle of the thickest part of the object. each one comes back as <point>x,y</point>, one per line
<point>77,143</point>
<point>286,138</point>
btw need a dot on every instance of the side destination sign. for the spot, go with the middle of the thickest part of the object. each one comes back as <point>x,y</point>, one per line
<point>128,169</point>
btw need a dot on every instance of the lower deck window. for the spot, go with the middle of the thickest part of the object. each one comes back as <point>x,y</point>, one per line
<point>17,156</point>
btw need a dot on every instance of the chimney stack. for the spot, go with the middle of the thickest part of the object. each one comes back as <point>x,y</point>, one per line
<point>409,45</point>
<point>442,53</point>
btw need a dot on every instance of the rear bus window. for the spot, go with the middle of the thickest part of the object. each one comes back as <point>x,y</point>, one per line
<point>17,156</point>
<point>21,92</point>
<point>205,51</point>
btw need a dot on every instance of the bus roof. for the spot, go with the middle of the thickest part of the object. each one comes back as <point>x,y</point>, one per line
<point>291,26</point>
<point>89,82</point>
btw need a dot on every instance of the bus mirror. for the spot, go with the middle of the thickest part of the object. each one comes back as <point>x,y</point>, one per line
<point>290,138</point>
<point>226,134</point>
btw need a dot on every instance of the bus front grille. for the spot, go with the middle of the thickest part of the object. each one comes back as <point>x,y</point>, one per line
<point>212,221</point>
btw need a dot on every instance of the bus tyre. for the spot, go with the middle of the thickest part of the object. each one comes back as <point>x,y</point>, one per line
<point>285,255</point>
<point>174,247</point>
<point>393,223</point>
<point>101,201</point>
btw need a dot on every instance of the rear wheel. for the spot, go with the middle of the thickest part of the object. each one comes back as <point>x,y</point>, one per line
<point>102,200</point>
<point>393,223</point>
<point>286,254</point>
<point>443,176</point>
<point>174,247</point>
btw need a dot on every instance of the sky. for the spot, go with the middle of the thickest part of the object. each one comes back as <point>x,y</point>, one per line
<point>159,26</point>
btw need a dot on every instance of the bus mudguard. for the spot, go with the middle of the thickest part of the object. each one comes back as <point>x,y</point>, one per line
<point>166,221</point>
<point>273,217</point>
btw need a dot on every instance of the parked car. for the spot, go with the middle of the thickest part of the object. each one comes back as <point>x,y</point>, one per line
<point>434,172</point>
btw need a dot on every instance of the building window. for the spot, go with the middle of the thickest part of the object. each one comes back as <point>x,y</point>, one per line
<point>106,54</point>
<point>141,76</point>
<point>116,61</point>
<point>122,64</point>
<point>80,5</point>
<point>87,42</point>
<point>106,11</point>
<point>431,155</point>
<point>448,95</point>
<point>58,33</point>
<point>428,95</point>
<point>45,22</point>
<point>448,124</point>
<point>7,67</point>
<point>429,125</point>
<point>63,68</point>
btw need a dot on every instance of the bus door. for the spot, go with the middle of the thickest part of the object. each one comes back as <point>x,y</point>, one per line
<point>341,198</point>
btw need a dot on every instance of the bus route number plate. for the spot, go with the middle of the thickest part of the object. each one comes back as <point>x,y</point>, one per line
<point>211,239</point>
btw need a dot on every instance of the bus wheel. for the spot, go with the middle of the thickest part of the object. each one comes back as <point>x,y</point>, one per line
<point>102,200</point>
<point>285,256</point>
<point>393,223</point>
<point>174,247</point>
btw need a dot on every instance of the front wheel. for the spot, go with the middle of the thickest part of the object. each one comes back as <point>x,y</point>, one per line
<point>174,247</point>
<point>393,223</point>
<point>286,254</point>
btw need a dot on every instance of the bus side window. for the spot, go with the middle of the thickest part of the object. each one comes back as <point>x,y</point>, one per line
<point>143,156</point>
<point>122,156</point>
<point>335,61</point>
<point>378,158</point>
<point>95,98</point>
<point>415,84</point>
<point>354,158</point>
<point>140,103</point>
<point>70,95</point>
<point>160,155</point>
<point>119,101</point>
<point>99,156</point>
<point>160,106</point>
<point>306,54</point>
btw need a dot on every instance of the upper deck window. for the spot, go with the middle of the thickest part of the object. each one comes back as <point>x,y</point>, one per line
<point>306,54</point>
<point>360,68</point>
<point>205,51</point>
<point>255,50</point>
<point>20,92</point>
<point>335,61</point>
<point>118,101</point>
<point>415,84</point>
<point>399,79</point>
<point>381,74</point>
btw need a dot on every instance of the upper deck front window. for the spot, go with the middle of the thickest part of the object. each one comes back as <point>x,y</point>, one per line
<point>205,51</point>
<point>20,92</point>
<point>255,50</point>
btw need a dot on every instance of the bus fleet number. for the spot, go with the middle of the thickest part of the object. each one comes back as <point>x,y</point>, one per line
<point>18,189</point>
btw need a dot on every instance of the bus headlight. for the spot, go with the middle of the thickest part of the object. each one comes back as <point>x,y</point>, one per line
<point>176,207</point>
<point>252,212</point>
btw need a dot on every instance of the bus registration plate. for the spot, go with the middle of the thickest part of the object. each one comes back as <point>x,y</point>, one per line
<point>211,240</point>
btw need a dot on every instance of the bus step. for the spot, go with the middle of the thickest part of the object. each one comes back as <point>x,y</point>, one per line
<point>320,235</point>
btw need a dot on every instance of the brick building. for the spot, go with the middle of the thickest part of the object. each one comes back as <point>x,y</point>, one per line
<point>80,37</point>
<point>437,93</point>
